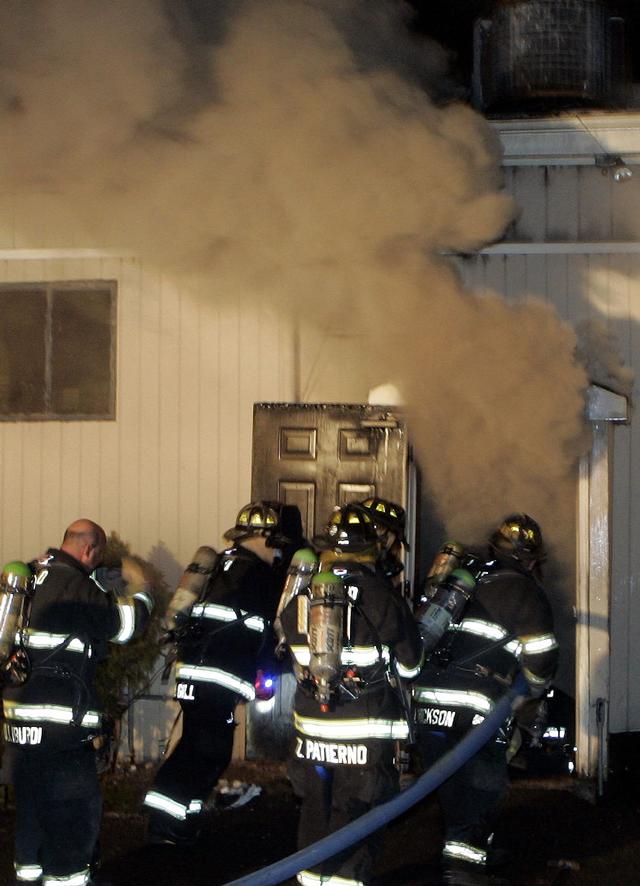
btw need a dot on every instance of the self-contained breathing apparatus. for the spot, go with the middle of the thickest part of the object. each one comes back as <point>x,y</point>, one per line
<point>17,584</point>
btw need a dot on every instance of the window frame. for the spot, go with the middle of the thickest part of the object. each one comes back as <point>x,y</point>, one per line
<point>50,287</point>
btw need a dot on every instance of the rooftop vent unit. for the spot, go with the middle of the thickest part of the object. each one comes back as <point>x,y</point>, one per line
<point>546,54</point>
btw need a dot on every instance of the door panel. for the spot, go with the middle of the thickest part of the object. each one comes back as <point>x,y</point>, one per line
<point>319,456</point>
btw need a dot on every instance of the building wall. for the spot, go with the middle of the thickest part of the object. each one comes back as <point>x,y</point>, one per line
<point>576,244</point>
<point>174,467</point>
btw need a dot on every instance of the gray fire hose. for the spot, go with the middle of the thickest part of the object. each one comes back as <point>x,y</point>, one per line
<point>357,830</point>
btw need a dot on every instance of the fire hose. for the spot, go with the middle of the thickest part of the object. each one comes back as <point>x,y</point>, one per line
<point>362,827</point>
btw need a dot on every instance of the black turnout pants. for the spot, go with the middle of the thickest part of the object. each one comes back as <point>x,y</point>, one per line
<point>334,796</point>
<point>471,798</point>
<point>58,809</point>
<point>191,772</point>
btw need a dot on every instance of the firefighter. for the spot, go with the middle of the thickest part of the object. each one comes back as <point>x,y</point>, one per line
<point>352,637</point>
<point>389,521</point>
<point>51,720</point>
<point>222,641</point>
<point>505,628</point>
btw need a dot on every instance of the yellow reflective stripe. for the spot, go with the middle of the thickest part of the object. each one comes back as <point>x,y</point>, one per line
<point>49,713</point>
<point>43,640</point>
<point>464,852</point>
<point>362,727</point>
<point>308,878</point>
<point>454,698</point>
<point>200,673</point>
<point>541,643</point>
<point>225,613</point>
<point>127,613</point>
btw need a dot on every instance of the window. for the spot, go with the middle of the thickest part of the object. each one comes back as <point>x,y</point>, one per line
<point>57,350</point>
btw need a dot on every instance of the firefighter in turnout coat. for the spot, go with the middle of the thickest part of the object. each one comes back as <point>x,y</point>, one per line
<point>506,628</point>
<point>222,639</point>
<point>51,720</point>
<point>347,714</point>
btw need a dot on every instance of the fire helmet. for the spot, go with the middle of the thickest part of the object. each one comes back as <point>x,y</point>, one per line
<point>520,538</point>
<point>387,514</point>
<point>350,529</point>
<point>281,524</point>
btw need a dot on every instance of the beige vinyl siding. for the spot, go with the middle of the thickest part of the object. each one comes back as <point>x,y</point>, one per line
<point>173,468</point>
<point>576,245</point>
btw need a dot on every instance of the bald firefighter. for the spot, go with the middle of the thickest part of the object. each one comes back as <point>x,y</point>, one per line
<point>51,720</point>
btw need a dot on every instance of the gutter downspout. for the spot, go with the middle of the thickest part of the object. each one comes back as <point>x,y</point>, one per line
<point>593,561</point>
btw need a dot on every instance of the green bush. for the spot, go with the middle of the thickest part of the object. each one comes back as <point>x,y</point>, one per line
<point>128,669</point>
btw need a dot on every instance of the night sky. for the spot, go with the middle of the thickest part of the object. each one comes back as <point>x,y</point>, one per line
<point>451,24</point>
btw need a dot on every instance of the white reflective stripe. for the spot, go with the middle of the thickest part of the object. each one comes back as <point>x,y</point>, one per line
<point>225,613</point>
<point>28,873</point>
<point>195,806</point>
<point>308,878</point>
<point>364,656</point>
<point>302,655</point>
<point>97,583</point>
<point>166,804</point>
<point>50,713</point>
<point>464,851</point>
<point>481,628</point>
<point>543,643</point>
<point>534,679</point>
<point>514,647</point>
<point>454,698</point>
<point>79,879</point>
<point>144,598</point>
<point>199,673</point>
<point>127,612</point>
<point>408,673</point>
<point>363,727</point>
<point>359,656</point>
<point>42,640</point>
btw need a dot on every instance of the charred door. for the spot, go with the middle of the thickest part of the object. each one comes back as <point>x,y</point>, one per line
<point>319,456</point>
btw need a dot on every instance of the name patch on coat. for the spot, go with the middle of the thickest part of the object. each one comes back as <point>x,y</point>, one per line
<point>185,691</point>
<point>331,752</point>
<point>436,717</point>
<point>22,734</point>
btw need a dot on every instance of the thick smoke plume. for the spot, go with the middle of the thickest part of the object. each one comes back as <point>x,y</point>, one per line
<point>290,149</point>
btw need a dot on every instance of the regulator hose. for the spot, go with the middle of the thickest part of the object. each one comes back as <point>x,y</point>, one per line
<point>357,830</point>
